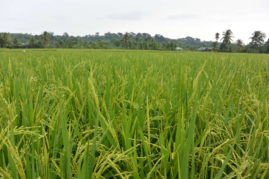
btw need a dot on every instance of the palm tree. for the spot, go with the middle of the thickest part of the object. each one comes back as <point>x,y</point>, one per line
<point>217,37</point>
<point>257,40</point>
<point>125,40</point>
<point>239,45</point>
<point>45,37</point>
<point>226,41</point>
<point>215,44</point>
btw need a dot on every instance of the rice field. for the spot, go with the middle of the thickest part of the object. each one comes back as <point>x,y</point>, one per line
<point>133,114</point>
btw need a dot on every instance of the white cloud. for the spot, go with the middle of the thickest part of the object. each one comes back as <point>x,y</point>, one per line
<point>127,16</point>
<point>172,18</point>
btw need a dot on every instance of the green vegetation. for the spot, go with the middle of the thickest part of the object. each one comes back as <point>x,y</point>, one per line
<point>137,114</point>
<point>107,41</point>
<point>226,45</point>
<point>142,41</point>
<point>257,44</point>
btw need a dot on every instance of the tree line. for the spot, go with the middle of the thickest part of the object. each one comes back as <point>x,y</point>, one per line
<point>135,41</point>
<point>256,45</point>
<point>108,40</point>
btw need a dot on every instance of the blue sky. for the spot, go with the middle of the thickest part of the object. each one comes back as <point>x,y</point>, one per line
<point>171,18</point>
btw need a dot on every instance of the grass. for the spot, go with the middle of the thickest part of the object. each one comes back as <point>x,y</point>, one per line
<point>133,114</point>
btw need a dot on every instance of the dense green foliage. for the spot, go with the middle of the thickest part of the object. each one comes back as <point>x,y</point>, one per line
<point>226,45</point>
<point>131,40</point>
<point>138,114</point>
<point>256,44</point>
<point>107,41</point>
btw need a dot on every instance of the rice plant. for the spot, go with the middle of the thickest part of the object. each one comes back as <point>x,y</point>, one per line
<point>133,114</point>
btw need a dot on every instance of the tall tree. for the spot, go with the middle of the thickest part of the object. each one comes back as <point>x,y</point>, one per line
<point>226,41</point>
<point>5,40</point>
<point>215,44</point>
<point>31,42</point>
<point>16,43</point>
<point>65,38</point>
<point>257,40</point>
<point>1,40</point>
<point>45,38</point>
<point>239,45</point>
<point>217,37</point>
<point>125,41</point>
